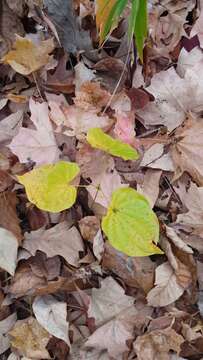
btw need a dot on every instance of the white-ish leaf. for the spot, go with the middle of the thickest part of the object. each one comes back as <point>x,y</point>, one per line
<point>8,251</point>
<point>51,315</point>
<point>167,289</point>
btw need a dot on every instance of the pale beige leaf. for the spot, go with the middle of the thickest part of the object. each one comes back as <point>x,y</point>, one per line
<point>187,150</point>
<point>98,245</point>
<point>150,186</point>
<point>104,185</point>
<point>51,315</point>
<point>30,339</point>
<point>157,344</point>
<point>155,158</point>
<point>108,301</point>
<point>114,334</point>
<point>37,145</point>
<point>8,251</point>
<point>193,200</point>
<point>166,290</point>
<point>58,240</point>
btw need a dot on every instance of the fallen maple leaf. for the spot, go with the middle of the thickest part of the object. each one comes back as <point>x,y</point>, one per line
<point>26,57</point>
<point>58,240</point>
<point>187,149</point>
<point>51,315</point>
<point>108,301</point>
<point>37,145</point>
<point>157,344</point>
<point>30,339</point>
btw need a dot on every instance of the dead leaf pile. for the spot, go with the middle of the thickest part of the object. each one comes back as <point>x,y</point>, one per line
<point>65,292</point>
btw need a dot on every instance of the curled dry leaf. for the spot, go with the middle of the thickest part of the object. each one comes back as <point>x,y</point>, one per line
<point>108,301</point>
<point>58,240</point>
<point>187,149</point>
<point>52,316</point>
<point>157,344</point>
<point>30,339</point>
<point>26,57</point>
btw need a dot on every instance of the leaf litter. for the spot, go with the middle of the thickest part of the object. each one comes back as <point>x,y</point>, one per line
<point>85,271</point>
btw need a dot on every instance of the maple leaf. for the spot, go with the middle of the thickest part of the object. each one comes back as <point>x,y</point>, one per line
<point>26,57</point>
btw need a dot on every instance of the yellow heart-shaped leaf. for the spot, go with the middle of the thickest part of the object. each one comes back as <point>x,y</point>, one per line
<point>48,186</point>
<point>130,224</point>
<point>99,140</point>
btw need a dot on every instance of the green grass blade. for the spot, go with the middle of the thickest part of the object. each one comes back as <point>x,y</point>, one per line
<point>133,16</point>
<point>140,30</point>
<point>114,15</point>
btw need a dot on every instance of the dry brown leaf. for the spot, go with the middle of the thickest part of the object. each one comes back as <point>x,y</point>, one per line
<point>187,150</point>
<point>108,301</point>
<point>37,276</point>
<point>167,289</point>
<point>26,57</point>
<point>137,272</point>
<point>58,240</point>
<point>157,344</point>
<point>10,25</point>
<point>30,339</point>
<point>89,226</point>
<point>5,326</point>
<point>10,126</point>
<point>91,96</point>
<point>9,219</point>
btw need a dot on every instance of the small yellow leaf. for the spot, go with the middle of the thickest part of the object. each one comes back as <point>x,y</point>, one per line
<point>130,224</point>
<point>26,57</point>
<point>48,186</point>
<point>99,140</point>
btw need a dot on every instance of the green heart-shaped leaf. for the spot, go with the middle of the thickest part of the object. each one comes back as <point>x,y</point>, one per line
<point>130,224</point>
<point>48,186</point>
